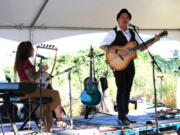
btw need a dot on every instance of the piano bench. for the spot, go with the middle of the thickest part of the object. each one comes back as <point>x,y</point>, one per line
<point>28,102</point>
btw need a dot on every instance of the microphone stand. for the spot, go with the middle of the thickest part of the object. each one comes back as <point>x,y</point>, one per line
<point>70,91</point>
<point>52,76</point>
<point>154,80</point>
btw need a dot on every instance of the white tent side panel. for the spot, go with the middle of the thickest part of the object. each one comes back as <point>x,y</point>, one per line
<point>16,35</point>
<point>39,36</point>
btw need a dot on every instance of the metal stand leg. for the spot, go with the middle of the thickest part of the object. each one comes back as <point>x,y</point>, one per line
<point>70,98</point>
<point>27,118</point>
<point>1,123</point>
<point>10,116</point>
<point>155,98</point>
<point>40,70</point>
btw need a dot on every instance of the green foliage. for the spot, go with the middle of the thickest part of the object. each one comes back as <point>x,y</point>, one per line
<point>142,85</point>
<point>143,81</point>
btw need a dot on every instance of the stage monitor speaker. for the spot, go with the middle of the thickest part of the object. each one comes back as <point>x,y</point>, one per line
<point>78,132</point>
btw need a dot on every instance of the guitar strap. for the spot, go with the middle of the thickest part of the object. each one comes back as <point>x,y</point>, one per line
<point>133,36</point>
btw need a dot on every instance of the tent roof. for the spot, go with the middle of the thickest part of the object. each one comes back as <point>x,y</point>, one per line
<point>68,17</point>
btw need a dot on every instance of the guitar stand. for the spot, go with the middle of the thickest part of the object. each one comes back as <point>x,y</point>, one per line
<point>70,97</point>
<point>90,109</point>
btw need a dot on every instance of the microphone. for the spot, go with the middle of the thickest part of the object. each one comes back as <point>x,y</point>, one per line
<point>40,56</point>
<point>131,25</point>
<point>100,55</point>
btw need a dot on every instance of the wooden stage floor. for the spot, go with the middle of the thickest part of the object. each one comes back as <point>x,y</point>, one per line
<point>101,124</point>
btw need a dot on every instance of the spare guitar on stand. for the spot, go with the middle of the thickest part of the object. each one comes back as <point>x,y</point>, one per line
<point>91,95</point>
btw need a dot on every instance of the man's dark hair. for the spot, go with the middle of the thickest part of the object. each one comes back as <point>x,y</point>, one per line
<point>124,11</point>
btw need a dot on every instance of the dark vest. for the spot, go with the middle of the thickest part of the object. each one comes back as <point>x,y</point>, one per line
<point>121,40</point>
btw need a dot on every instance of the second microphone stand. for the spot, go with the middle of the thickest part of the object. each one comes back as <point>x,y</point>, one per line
<point>70,90</point>
<point>40,71</point>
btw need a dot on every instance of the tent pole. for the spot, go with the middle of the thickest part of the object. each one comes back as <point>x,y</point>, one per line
<point>39,13</point>
<point>35,20</point>
<point>31,35</point>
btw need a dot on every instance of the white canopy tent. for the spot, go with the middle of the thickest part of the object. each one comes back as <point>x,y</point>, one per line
<point>43,20</point>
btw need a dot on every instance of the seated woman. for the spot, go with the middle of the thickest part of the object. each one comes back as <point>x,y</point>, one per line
<point>26,72</point>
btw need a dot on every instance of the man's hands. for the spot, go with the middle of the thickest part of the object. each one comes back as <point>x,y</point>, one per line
<point>157,38</point>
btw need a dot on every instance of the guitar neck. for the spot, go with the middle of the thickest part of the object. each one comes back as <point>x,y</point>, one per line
<point>145,43</point>
<point>149,41</point>
<point>91,70</point>
<point>164,33</point>
<point>91,55</point>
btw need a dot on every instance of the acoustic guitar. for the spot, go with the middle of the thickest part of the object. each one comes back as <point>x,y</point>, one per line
<point>119,62</point>
<point>91,95</point>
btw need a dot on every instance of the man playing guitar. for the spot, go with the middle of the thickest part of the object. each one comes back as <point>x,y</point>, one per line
<point>120,36</point>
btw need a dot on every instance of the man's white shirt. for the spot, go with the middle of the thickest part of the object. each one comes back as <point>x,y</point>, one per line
<point>112,35</point>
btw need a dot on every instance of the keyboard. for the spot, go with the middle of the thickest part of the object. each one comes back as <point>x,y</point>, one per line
<point>17,88</point>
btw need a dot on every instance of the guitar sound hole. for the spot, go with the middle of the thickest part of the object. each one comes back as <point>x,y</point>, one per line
<point>90,93</point>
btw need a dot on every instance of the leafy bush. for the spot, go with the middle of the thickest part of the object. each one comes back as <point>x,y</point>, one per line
<point>142,86</point>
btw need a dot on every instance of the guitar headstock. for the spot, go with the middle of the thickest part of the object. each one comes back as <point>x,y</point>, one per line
<point>164,33</point>
<point>91,53</point>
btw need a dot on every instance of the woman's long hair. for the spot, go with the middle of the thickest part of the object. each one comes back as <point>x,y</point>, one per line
<point>22,53</point>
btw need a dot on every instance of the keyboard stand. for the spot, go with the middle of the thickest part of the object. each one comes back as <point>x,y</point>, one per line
<point>7,104</point>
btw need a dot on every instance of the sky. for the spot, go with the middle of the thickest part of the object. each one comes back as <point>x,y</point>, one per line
<point>165,47</point>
